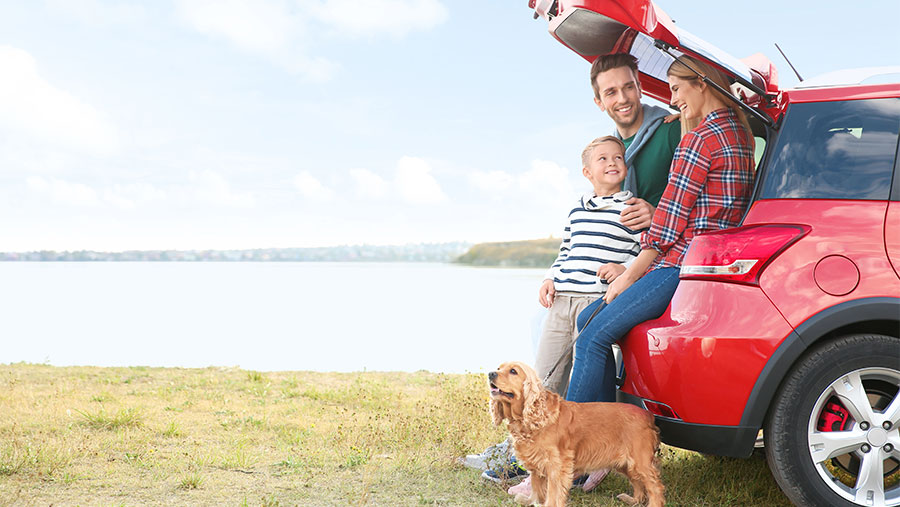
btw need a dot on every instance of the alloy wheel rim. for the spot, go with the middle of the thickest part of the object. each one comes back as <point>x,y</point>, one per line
<point>860,461</point>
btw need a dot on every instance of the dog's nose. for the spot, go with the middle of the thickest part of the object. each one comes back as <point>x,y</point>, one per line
<point>492,376</point>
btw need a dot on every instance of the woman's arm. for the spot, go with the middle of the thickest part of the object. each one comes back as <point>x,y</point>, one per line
<point>631,275</point>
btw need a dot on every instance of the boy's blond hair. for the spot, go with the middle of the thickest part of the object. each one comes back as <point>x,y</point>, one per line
<point>586,154</point>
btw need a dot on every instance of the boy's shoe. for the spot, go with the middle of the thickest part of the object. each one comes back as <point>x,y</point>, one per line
<point>494,456</point>
<point>510,471</point>
<point>594,479</point>
<point>523,488</point>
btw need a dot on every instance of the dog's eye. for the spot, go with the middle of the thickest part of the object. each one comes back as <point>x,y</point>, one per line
<point>513,372</point>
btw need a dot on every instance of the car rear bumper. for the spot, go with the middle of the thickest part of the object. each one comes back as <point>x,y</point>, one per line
<point>720,440</point>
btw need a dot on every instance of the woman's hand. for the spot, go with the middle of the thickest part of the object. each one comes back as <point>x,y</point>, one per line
<point>619,285</point>
<point>546,293</point>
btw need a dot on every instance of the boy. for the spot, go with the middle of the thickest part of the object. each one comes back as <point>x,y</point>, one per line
<point>596,248</point>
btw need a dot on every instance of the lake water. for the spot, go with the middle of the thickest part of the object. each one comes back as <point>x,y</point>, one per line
<point>268,316</point>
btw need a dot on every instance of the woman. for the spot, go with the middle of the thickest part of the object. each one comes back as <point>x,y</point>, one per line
<point>708,189</point>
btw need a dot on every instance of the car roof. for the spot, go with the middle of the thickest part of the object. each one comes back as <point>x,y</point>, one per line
<point>834,93</point>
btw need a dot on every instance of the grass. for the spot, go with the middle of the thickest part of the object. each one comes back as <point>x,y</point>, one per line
<point>169,436</point>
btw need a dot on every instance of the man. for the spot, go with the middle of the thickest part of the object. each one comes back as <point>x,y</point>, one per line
<point>649,139</point>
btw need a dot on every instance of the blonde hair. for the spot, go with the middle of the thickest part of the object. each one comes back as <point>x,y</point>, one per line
<point>681,68</point>
<point>586,154</point>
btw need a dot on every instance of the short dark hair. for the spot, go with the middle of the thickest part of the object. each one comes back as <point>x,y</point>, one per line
<point>611,61</point>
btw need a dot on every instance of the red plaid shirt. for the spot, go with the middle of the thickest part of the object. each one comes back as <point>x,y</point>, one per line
<point>709,186</point>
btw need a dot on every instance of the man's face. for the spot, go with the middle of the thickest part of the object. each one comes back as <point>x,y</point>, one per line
<point>620,97</point>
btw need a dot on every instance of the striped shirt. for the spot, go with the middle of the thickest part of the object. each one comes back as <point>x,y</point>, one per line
<point>593,237</point>
<point>709,187</point>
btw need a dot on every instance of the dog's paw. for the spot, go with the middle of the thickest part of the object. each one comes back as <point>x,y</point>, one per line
<point>627,499</point>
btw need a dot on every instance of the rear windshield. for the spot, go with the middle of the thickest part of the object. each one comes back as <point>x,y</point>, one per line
<point>834,150</point>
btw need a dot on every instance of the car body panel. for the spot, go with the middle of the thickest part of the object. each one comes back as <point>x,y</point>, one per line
<point>846,234</point>
<point>711,345</point>
<point>892,235</point>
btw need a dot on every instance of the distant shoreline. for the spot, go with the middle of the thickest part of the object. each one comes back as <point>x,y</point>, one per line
<point>526,254</point>
<point>413,252</point>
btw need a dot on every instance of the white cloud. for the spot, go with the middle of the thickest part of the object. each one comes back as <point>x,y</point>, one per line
<point>368,184</point>
<point>211,187</point>
<point>312,188</point>
<point>375,17</point>
<point>283,30</point>
<point>129,196</point>
<point>314,69</point>
<point>64,192</point>
<point>548,181</point>
<point>493,181</point>
<point>249,24</point>
<point>122,196</point>
<point>96,12</point>
<point>415,182</point>
<point>31,105</point>
<point>272,28</point>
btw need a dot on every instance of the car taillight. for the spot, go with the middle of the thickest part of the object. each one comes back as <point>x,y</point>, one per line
<point>738,255</point>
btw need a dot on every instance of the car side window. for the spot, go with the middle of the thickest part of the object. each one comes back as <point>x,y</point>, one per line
<point>835,150</point>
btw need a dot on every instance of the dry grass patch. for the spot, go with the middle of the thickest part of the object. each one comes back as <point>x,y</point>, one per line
<point>225,436</point>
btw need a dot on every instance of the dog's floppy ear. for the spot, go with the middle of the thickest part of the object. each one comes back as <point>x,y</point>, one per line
<point>535,413</point>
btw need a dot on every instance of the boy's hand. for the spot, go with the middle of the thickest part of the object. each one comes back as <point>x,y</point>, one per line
<point>610,272</point>
<point>672,117</point>
<point>638,214</point>
<point>546,293</point>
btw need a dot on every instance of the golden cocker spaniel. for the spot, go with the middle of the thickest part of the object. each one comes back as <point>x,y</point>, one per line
<point>556,439</point>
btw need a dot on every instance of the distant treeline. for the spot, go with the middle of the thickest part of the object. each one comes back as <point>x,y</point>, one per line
<point>413,252</point>
<point>535,253</point>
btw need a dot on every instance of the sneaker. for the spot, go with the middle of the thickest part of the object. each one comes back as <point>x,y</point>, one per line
<point>494,456</point>
<point>594,479</point>
<point>506,473</point>
<point>579,481</point>
<point>523,488</point>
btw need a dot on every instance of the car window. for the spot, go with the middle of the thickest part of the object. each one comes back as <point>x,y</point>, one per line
<point>835,150</point>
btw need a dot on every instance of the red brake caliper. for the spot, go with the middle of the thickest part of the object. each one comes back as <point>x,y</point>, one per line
<point>834,417</point>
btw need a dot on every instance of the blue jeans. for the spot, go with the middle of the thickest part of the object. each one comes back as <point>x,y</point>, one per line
<point>593,372</point>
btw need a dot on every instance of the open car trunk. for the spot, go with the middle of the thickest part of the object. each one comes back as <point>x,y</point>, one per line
<point>596,27</point>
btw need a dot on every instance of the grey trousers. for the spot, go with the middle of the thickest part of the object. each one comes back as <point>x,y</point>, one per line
<point>558,339</point>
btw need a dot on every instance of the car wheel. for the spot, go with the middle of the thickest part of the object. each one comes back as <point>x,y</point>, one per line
<point>833,431</point>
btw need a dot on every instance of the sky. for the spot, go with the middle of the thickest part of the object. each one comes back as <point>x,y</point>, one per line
<point>221,124</point>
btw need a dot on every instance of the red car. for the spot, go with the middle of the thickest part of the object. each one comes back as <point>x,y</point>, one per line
<point>790,323</point>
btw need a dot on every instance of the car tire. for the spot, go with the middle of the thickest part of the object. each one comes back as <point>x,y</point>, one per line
<point>802,441</point>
